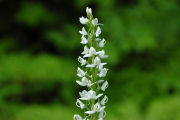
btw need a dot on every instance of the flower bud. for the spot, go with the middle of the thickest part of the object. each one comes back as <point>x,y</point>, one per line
<point>89,12</point>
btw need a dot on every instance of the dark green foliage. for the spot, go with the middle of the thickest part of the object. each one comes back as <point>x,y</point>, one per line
<point>40,44</point>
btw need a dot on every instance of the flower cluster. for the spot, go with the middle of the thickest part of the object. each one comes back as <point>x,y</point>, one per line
<point>92,101</point>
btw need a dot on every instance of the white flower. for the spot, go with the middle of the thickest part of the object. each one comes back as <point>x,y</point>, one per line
<point>96,108</point>
<point>83,20</point>
<point>84,94</point>
<point>90,53</point>
<point>102,54</point>
<point>83,31</point>
<point>86,50</point>
<point>96,62</point>
<point>95,22</point>
<point>90,65</point>
<point>98,31</point>
<point>87,95</point>
<point>80,104</point>
<point>104,100</point>
<point>103,72</point>
<point>84,40</point>
<point>98,39</point>
<point>77,117</point>
<point>82,61</point>
<point>104,86</point>
<point>88,10</point>
<point>102,114</point>
<point>84,82</point>
<point>99,81</point>
<point>80,73</point>
<point>100,66</point>
<point>102,42</point>
<point>91,59</point>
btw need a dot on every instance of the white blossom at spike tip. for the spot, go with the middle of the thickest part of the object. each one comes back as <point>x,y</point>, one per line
<point>88,10</point>
<point>92,99</point>
<point>83,20</point>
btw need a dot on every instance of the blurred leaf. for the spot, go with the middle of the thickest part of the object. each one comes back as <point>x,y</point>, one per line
<point>125,111</point>
<point>164,109</point>
<point>68,39</point>
<point>33,14</point>
<point>42,67</point>
<point>6,44</point>
<point>55,112</point>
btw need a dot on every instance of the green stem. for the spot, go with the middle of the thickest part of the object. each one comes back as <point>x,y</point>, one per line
<point>92,70</point>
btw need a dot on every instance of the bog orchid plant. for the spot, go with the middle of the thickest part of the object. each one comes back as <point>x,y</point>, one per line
<point>92,100</point>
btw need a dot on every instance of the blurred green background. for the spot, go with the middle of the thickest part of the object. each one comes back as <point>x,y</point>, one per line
<point>40,44</point>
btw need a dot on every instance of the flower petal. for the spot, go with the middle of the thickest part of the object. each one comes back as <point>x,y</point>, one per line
<point>98,96</point>
<point>90,112</point>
